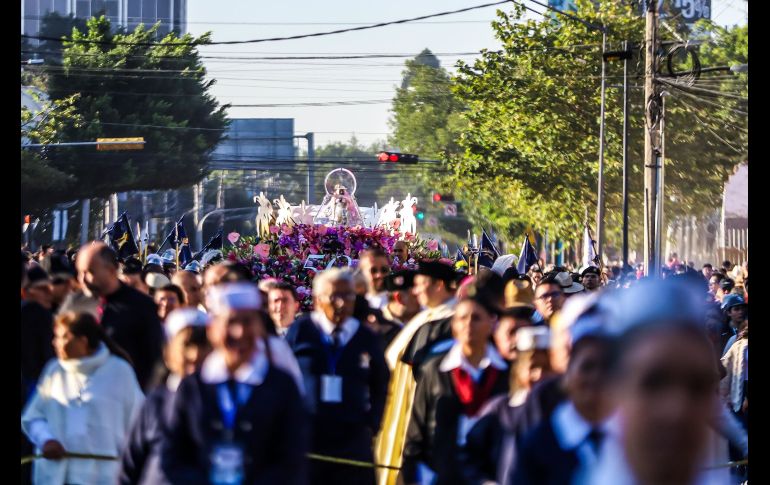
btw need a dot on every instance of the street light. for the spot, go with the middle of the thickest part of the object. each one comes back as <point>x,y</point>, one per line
<point>740,68</point>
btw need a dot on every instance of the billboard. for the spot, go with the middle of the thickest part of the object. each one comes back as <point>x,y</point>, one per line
<point>689,11</point>
<point>257,139</point>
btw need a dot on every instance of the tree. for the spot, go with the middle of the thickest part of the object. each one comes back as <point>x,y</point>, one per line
<point>351,149</point>
<point>130,86</point>
<point>530,150</point>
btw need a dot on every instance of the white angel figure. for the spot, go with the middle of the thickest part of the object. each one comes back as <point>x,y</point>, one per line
<point>388,213</point>
<point>284,212</point>
<point>408,222</point>
<point>264,214</point>
<point>302,214</point>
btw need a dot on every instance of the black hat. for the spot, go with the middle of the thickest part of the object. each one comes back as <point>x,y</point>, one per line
<point>727,284</point>
<point>132,266</point>
<point>590,269</point>
<point>439,271</point>
<point>36,275</point>
<point>399,280</point>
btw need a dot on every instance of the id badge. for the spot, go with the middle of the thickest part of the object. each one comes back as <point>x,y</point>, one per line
<point>226,465</point>
<point>331,388</point>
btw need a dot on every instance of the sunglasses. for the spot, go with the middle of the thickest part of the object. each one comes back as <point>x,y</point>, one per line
<point>552,294</point>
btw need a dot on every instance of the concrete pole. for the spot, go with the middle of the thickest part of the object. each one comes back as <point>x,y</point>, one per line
<point>600,203</point>
<point>310,175</point>
<point>113,207</point>
<point>651,141</point>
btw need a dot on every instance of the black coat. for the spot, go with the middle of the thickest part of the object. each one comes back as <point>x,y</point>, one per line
<point>420,348</point>
<point>431,437</point>
<point>540,403</point>
<point>344,429</point>
<point>36,343</point>
<point>140,461</point>
<point>542,461</point>
<point>130,317</point>
<point>271,427</point>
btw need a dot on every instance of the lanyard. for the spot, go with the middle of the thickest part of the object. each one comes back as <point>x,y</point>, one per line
<point>332,355</point>
<point>228,405</point>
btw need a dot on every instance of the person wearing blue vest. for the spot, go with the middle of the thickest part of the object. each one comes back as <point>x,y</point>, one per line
<point>239,419</point>
<point>345,379</point>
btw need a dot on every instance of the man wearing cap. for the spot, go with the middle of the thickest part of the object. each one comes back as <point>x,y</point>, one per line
<point>186,348</point>
<point>63,279</point>
<point>239,419</point>
<point>434,289</point>
<point>402,304</point>
<point>375,266</point>
<point>726,286</point>
<point>735,309</point>
<point>128,316</point>
<point>590,278</point>
<point>36,326</point>
<point>345,376</point>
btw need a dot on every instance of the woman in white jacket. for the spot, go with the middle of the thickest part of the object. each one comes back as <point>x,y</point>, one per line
<point>85,401</point>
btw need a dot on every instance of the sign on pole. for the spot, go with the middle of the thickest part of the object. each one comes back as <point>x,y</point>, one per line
<point>450,210</point>
<point>132,143</point>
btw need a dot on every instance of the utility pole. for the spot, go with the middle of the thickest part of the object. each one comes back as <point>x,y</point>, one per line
<point>651,139</point>
<point>625,158</point>
<point>310,158</point>
<point>85,217</point>
<point>600,202</point>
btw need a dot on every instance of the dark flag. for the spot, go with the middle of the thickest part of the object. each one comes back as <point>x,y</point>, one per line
<point>528,256</point>
<point>178,239</point>
<point>488,245</point>
<point>488,253</point>
<point>120,237</point>
<point>214,243</point>
<point>460,256</point>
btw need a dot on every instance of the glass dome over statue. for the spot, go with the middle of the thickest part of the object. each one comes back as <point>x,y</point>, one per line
<point>339,207</point>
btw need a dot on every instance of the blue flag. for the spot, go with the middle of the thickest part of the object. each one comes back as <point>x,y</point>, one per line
<point>214,243</point>
<point>487,244</point>
<point>120,237</point>
<point>460,256</point>
<point>528,256</point>
<point>178,239</point>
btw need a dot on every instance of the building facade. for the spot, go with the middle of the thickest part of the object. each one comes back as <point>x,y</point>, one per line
<point>172,14</point>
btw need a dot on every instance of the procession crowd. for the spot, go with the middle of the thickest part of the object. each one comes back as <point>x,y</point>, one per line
<point>150,373</point>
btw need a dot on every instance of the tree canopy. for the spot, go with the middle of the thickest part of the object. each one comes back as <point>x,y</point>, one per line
<point>126,85</point>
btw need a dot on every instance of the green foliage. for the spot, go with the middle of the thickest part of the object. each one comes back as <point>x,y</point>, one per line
<point>530,148</point>
<point>351,149</point>
<point>128,89</point>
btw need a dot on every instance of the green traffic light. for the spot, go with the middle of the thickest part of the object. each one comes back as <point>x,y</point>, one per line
<point>421,215</point>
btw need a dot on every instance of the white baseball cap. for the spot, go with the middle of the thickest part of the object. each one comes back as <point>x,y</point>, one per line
<point>182,318</point>
<point>233,296</point>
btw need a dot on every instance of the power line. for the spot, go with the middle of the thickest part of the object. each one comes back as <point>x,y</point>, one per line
<point>273,39</point>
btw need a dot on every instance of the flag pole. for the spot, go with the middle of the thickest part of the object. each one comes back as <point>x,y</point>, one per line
<point>139,236</point>
<point>176,240</point>
<point>147,239</point>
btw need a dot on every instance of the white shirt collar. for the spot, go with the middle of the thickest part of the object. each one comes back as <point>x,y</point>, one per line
<point>214,370</point>
<point>377,300</point>
<point>349,326</point>
<point>570,427</point>
<point>172,382</point>
<point>455,359</point>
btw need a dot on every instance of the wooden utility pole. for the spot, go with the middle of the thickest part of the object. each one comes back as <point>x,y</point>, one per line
<point>652,147</point>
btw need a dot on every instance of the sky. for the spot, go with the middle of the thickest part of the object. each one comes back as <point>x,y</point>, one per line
<point>451,37</point>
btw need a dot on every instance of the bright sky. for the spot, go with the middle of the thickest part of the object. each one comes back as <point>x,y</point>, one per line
<point>302,81</point>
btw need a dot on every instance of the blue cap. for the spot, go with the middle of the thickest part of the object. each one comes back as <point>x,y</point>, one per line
<point>730,301</point>
<point>169,256</point>
<point>154,259</point>
<point>193,267</point>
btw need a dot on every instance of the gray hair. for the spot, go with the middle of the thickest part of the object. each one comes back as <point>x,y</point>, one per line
<point>330,276</point>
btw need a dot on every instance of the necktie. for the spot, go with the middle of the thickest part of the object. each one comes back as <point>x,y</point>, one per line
<point>595,437</point>
<point>232,388</point>
<point>337,337</point>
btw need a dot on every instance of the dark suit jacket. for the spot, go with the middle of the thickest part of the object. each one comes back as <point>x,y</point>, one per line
<point>271,427</point>
<point>420,348</point>
<point>542,461</point>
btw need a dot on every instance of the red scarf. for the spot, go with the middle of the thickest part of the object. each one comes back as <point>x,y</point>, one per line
<point>473,395</point>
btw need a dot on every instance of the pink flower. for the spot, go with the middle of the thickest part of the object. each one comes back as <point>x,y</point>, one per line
<point>262,250</point>
<point>396,223</point>
<point>287,231</point>
<point>274,229</point>
<point>233,237</point>
<point>432,245</point>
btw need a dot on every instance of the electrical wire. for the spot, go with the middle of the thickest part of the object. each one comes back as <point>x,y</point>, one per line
<point>272,39</point>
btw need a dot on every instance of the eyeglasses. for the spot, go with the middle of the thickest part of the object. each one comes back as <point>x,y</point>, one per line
<point>381,269</point>
<point>552,294</point>
<point>338,297</point>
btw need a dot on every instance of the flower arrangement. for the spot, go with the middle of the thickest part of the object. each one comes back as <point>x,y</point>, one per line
<point>296,253</point>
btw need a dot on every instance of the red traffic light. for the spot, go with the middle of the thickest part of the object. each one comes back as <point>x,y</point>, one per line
<point>436,197</point>
<point>393,157</point>
<point>397,157</point>
<point>383,157</point>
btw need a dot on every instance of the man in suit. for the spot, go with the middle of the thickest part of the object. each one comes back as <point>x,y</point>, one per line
<point>345,377</point>
<point>239,419</point>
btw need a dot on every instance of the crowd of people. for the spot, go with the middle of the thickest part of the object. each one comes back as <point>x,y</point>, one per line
<point>149,373</point>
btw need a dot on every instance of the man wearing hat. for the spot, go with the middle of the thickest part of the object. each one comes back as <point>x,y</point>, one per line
<point>590,278</point>
<point>735,309</point>
<point>345,376</point>
<point>568,284</point>
<point>402,304</point>
<point>186,348</point>
<point>36,326</point>
<point>517,314</point>
<point>239,418</point>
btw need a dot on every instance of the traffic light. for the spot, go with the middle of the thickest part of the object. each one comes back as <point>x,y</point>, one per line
<point>437,197</point>
<point>397,157</point>
<point>419,213</point>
